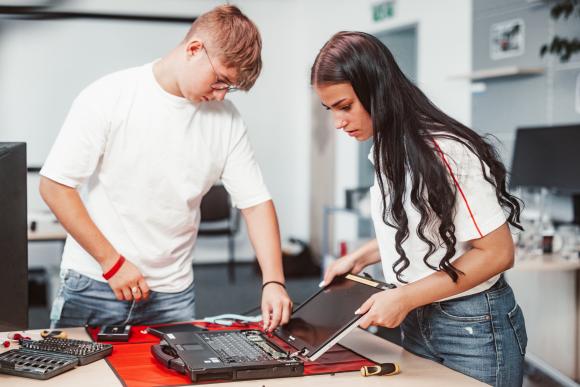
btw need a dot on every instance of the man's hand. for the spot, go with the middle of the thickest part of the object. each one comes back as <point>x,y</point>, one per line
<point>128,283</point>
<point>276,307</point>
<point>387,309</point>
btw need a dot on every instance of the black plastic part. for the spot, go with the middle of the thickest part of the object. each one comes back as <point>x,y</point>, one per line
<point>282,371</point>
<point>159,331</point>
<point>114,333</point>
<point>34,364</point>
<point>168,357</point>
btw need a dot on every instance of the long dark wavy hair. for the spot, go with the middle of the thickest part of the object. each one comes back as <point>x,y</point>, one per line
<point>405,125</point>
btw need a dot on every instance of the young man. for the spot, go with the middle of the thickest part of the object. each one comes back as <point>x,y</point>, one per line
<point>147,143</point>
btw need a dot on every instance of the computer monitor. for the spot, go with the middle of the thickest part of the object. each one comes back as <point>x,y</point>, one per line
<point>13,237</point>
<point>548,157</point>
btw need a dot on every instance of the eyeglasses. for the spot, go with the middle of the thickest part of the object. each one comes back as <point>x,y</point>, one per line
<point>219,85</point>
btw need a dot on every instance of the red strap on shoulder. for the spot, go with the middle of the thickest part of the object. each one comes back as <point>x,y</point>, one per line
<point>458,187</point>
<point>113,270</point>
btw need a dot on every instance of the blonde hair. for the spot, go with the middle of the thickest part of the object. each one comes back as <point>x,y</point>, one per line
<point>236,39</point>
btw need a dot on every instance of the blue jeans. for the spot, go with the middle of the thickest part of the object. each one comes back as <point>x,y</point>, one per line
<point>83,301</point>
<point>482,335</point>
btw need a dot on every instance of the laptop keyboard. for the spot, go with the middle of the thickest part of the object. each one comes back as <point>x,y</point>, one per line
<point>233,347</point>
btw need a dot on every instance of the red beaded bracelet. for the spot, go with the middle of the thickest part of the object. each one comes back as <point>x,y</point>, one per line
<point>112,271</point>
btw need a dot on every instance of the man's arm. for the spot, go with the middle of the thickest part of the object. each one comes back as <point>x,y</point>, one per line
<point>66,204</point>
<point>264,234</point>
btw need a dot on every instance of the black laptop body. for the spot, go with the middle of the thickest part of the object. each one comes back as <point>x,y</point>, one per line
<point>314,327</point>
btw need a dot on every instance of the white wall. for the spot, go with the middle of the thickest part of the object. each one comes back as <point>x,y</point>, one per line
<point>43,65</point>
<point>444,50</point>
<point>276,111</point>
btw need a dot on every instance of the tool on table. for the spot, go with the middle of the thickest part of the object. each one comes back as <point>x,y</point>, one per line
<point>114,333</point>
<point>381,369</point>
<point>84,351</point>
<point>57,333</point>
<point>43,359</point>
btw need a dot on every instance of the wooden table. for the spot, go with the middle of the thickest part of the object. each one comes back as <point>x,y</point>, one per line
<point>416,371</point>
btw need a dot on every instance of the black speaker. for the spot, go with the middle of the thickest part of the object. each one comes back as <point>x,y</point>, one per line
<point>13,238</point>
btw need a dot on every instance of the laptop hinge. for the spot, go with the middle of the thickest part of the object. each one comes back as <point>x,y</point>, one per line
<point>298,354</point>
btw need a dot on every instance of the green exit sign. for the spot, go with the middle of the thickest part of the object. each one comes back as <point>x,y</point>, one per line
<point>383,10</point>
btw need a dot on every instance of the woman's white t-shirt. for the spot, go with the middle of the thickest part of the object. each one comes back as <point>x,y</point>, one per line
<point>146,158</point>
<point>477,213</point>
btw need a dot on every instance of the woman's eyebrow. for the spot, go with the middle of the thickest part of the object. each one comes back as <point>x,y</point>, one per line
<point>334,104</point>
<point>338,102</point>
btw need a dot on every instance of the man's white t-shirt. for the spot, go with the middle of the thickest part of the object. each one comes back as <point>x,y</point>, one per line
<point>477,213</point>
<point>146,158</point>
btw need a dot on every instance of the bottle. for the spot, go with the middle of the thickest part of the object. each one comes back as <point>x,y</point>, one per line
<point>343,249</point>
<point>547,230</point>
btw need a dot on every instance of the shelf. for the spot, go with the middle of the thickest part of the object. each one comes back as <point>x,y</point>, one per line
<point>502,72</point>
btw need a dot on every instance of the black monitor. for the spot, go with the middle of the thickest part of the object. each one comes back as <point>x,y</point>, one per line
<point>13,237</point>
<point>549,157</point>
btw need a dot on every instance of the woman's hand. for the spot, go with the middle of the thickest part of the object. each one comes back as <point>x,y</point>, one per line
<point>365,255</point>
<point>387,309</point>
<point>343,265</point>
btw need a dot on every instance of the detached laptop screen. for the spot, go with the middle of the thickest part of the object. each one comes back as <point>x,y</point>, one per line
<point>327,313</point>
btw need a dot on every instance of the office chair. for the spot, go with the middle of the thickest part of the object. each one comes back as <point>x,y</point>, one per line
<point>219,218</point>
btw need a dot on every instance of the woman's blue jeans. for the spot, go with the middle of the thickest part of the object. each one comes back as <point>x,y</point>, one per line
<point>481,335</point>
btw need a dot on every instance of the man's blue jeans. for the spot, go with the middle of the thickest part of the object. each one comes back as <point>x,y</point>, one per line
<point>84,301</point>
<point>481,335</point>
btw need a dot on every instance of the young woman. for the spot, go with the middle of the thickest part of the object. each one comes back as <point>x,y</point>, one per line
<point>441,213</point>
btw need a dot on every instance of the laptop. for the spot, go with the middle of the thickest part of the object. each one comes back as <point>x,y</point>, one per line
<point>314,327</point>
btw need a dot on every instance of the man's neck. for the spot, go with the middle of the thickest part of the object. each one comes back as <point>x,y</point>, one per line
<point>164,73</point>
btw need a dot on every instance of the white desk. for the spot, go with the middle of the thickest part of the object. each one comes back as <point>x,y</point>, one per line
<point>547,288</point>
<point>47,232</point>
<point>416,371</point>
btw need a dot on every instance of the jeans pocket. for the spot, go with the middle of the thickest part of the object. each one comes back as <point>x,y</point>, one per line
<point>75,282</point>
<point>518,324</point>
<point>469,309</point>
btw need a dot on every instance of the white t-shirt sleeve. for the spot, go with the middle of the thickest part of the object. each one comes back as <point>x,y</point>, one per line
<point>241,175</point>
<point>80,142</point>
<point>477,211</point>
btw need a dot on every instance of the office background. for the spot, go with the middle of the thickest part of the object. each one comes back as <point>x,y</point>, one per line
<point>443,45</point>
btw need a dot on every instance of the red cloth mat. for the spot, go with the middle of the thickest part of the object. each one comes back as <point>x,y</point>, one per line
<point>135,366</point>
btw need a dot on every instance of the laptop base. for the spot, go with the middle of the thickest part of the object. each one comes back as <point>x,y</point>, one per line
<point>167,356</point>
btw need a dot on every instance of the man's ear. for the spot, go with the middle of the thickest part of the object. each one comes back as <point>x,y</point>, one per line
<point>193,46</point>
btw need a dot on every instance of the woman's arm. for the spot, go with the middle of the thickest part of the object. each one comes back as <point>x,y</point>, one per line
<point>489,256</point>
<point>365,255</point>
